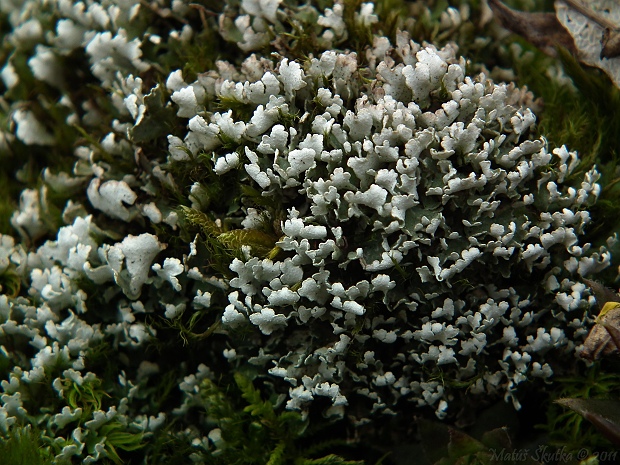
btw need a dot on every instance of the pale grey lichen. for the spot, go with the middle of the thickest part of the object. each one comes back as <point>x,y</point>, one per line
<point>418,234</point>
<point>428,178</point>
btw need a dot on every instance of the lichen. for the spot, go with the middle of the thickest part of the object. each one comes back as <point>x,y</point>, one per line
<point>430,179</point>
<point>359,222</point>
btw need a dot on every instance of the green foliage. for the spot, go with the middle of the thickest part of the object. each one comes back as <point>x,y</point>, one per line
<point>394,15</point>
<point>117,437</point>
<point>22,446</point>
<point>567,427</point>
<point>88,395</point>
<point>200,220</point>
<point>7,201</point>
<point>199,54</point>
<point>188,330</point>
<point>604,414</point>
<point>157,120</point>
<point>10,282</point>
<point>257,431</point>
<point>360,36</point>
<point>216,254</point>
<point>262,243</point>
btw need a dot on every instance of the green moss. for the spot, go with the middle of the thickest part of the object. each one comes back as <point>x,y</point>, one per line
<point>567,428</point>
<point>8,202</point>
<point>22,446</point>
<point>258,432</point>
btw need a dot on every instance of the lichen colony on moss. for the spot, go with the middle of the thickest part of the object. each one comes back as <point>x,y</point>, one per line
<point>426,177</point>
<point>390,227</point>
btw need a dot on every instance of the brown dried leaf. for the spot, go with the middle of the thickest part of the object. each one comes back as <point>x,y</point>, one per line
<point>611,43</point>
<point>603,294</point>
<point>595,28</point>
<point>604,337</point>
<point>589,32</point>
<point>602,413</point>
<point>610,40</point>
<point>543,30</point>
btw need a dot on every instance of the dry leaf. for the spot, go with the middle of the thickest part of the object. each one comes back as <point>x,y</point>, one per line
<point>540,29</point>
<point>604,414</point>
<point>595,30</point>
<point>603,294</point>
<point>610,39</point>
<point>590,31</point>
<point>611,43</point>
<point>604,337</point>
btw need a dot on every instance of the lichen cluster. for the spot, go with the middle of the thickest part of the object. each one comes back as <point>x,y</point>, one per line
<point>374,228</point>
<point>387,190</point>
